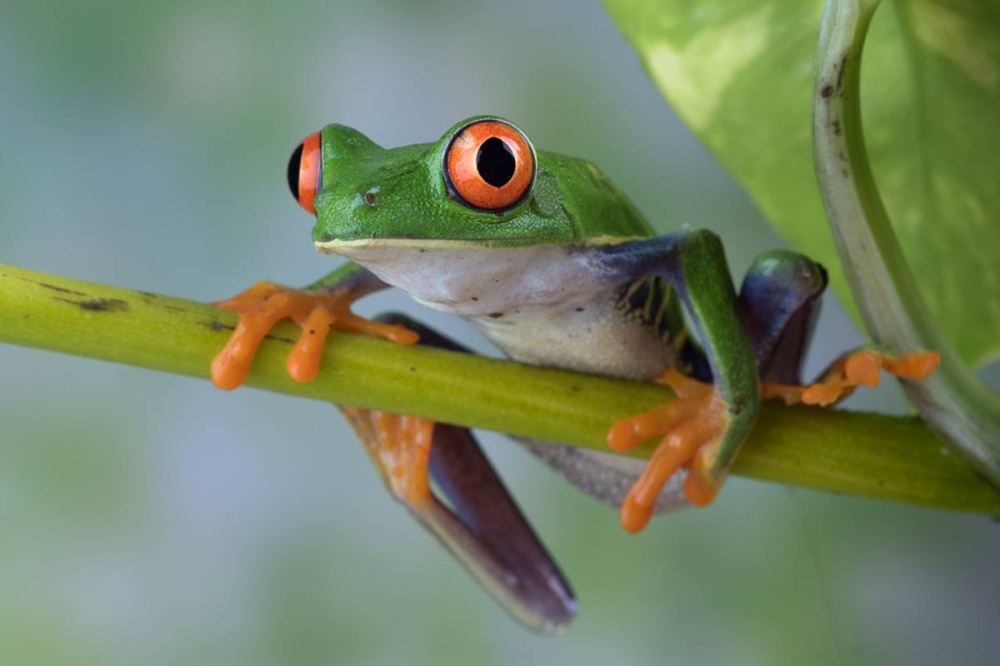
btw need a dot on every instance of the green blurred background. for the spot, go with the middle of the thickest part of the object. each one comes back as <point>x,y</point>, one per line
<point>146,518</point>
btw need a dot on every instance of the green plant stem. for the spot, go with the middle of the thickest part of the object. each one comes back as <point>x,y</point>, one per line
<point>859,453</point>
<point>956,403</point>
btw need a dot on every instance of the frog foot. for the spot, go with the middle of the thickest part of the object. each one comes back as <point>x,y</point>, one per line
<point>854,369</point>
<point>692,427</point>
<point>316,312</point>
<point>400,448</point>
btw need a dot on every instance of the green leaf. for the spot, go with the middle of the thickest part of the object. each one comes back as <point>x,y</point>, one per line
<point>740,75</point>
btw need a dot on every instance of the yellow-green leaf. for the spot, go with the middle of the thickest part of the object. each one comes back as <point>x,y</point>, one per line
<point>739,72</point>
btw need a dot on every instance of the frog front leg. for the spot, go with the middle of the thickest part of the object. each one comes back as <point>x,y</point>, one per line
<point>704,428</point>
<point>319,308</point>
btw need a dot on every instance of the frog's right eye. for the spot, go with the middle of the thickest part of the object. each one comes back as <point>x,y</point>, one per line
<point>305,171</point>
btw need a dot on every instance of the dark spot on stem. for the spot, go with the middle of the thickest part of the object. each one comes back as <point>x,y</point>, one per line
<point>827,91</point>
<point>99,304</point>
<point>61,290</point>
<point>495,315</point>
<point>217,325</point>
<point>840,74</point>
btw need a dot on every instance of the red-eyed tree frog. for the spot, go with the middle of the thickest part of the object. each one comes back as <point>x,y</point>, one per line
<point>545,256</point>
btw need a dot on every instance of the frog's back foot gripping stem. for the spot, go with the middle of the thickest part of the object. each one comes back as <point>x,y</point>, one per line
<point>483,527</point>
<point>860,367</point>
<point>779,303</point>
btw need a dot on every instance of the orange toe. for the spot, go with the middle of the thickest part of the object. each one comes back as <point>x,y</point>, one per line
<point>825,394</point>
<point>629,432</point>
<point>304,361</point>
<point>916,366</point>
<point>700,489</point>
<point>863,367</point>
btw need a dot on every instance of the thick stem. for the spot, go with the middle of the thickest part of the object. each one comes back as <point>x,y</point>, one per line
<point>956,404</point>
<point>858,453</point>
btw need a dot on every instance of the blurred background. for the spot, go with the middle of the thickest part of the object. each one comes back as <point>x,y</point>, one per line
<point>147,518</point>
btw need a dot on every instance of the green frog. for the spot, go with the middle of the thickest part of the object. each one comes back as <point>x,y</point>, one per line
<point>554,265</point>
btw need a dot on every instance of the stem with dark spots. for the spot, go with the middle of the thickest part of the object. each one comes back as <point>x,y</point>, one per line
<point>873,455</point>
<point>955,402</point>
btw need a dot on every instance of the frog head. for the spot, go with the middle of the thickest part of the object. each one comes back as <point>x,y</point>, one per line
<point>482,184</point>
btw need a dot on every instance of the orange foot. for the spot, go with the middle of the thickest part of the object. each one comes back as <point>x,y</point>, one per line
<point>316,312</point>
<point>851,370</point>
<point>692,427</point>
<point>400,448</point>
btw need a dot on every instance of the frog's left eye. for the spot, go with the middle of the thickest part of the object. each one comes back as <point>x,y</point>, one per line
<point>305,171</point>
<point>489,165</point>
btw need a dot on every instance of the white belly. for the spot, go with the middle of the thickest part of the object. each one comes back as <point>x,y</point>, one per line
<point>541,305</point>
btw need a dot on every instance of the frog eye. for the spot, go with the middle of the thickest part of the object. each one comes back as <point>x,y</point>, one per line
<point>305,171</point>
<point>489,165</point>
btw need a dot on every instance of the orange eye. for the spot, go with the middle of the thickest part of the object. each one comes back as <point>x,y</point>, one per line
<point>305,171</point>
<point>489,165</point>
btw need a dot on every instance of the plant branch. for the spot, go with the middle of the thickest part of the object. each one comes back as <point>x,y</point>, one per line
<point>956,403</point>
<point>865,454</point>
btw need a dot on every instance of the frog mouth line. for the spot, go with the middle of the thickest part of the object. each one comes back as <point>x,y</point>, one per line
<point>339,246</point>
<point>342,246</point>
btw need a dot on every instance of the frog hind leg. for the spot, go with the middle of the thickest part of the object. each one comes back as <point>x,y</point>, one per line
<point>779,303</point>
<point>483,527</point>
<point>704,428</point>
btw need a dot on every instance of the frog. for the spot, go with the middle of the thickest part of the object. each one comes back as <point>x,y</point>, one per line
<point>551,262</point>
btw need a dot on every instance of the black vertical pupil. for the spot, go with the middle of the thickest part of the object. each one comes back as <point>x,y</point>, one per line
<point>294,165</point>
<point>495,162</point>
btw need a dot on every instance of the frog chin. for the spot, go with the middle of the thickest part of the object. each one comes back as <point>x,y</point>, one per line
<point>469,279</point>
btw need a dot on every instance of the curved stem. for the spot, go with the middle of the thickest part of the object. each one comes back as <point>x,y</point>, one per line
<point>858,453</point>
<point>954,402</point>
